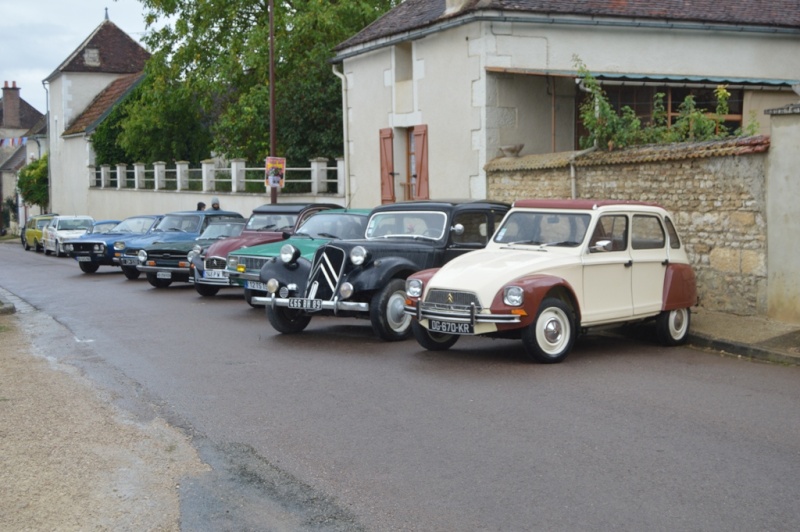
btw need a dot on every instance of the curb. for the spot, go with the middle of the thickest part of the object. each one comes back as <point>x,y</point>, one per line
<point>744,350</point>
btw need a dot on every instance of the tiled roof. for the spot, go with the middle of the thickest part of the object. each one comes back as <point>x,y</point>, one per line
<point>28,115</point>
<point>417,14</point>
<point>108,50</point>
<point>102,104</point>
<point>635,155</point>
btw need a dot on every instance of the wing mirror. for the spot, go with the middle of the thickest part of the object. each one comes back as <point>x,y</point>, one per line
<point>457,229</point>
<point>601,245</point>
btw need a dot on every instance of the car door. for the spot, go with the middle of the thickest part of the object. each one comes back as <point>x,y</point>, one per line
<point>649,254</point>
<point>607,272</point>
<point>478,227</point>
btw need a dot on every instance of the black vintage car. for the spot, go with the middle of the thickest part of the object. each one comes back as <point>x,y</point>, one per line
<point>366,278</point>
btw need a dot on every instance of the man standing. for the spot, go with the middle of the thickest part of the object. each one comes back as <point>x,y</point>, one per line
<point>201,206</point>
<point>215,204</point>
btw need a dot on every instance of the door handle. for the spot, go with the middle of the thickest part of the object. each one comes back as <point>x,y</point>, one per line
<point>629,264</point>
<point>665,262</point>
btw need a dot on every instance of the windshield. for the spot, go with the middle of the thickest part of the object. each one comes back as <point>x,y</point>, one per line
<point>215,231</point>
<point>271,222</point>
<point>133,225</point>
<point>393,224</point>
<point>74,225</point>
<point>334,225</point>
<point>181,223</point>
<point>543,228</point>
<point>103,227</point>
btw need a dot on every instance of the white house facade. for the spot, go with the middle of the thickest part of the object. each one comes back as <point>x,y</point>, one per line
<point>435,88</point>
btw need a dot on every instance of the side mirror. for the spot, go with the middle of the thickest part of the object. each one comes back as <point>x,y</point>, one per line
<point>458,229</point>
<point>285,235</point>
<point>601,245</point>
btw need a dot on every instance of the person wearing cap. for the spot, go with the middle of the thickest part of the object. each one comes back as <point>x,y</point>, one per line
<point>215,204</point>
<point>201,206</point>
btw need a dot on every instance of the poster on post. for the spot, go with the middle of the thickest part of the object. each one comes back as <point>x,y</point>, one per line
<point>276,166</point>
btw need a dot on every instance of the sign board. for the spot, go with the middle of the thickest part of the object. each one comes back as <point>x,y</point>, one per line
<point>276,166</point>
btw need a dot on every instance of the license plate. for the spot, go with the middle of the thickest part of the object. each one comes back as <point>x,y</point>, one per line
<point>255,285</point>
<point>450,328</point>
<point>84,259</point>
<point>164,275</point>
<point>215,274</point>
<point>129,262</point>
<point>306,304</point>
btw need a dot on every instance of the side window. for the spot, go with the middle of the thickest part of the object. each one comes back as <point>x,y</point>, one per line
<point>476,228</point>
<point>674,241</point>
<point>648,233</point>
<point>613,228</point>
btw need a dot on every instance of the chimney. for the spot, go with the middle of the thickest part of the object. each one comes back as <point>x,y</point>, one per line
<point>10,105</point>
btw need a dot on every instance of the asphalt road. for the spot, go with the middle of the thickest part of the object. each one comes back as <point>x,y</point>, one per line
<point>335,430</point>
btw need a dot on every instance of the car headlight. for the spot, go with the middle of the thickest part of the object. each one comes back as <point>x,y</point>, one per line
<point>289,253</point>
<point>67,247</point>
<point>142,256</point>
<point>413,287</point>
<point>233,262</point>
<point>346,290</point>
<point>119,246</point>
<point>100,248</point>
<point>513,296</point>
<point>358,255</point>
<point>196,250</point>
<point>273,285</point>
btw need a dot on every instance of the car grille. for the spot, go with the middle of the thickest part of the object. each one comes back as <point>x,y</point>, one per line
<point>451,300</point>
<point>215,263</point>
<point>85,247</point>
<point>326,271</point>
<point>253,263</point>
<point>166,257</point>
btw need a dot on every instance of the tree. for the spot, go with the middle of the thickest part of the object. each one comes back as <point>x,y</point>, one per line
<point>33,183</point>
<point>216,56</point>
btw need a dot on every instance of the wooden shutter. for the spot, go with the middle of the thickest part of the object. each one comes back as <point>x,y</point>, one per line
<point>387,165</point>
<point>421,170</point>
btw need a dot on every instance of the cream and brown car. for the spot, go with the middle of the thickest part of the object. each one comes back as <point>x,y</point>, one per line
<point>555,268</point>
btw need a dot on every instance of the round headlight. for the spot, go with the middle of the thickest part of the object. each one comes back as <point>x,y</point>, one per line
<point>358,255</point>
<point>289,253</point>
<point>346,290</point>
<point>273,285</point>
<point>142,256</point>
<point>233,262</point>
<point>513,296</point>
<point>413,287</point>
<point>67,247</point>
<point>119,246</point>
<point>99,248</point>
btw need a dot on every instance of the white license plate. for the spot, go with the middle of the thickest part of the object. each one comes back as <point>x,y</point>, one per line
<point>128,262</point>
<point>306,304</point>
<point>164,275</point>
<point>255,285</point>
<point>450,327</point>
<point>84,259</point>
<point>215,274</point>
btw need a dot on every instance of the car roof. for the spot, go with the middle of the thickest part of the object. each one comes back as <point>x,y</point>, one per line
<point>577,204</point>
<point>439,204</point>
<point>290,208</point>
<point>74,217</point>
<point>206,213</point>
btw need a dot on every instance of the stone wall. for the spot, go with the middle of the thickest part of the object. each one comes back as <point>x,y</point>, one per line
<point>716,191</point>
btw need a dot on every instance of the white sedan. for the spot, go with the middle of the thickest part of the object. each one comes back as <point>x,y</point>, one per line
<point>63,228</point>
<point>555,268</point>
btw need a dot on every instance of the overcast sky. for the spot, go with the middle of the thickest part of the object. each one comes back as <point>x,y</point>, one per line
<point>38,35</point>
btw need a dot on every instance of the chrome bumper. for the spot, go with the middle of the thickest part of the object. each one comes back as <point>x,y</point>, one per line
<point>472,317</point>
<point>335,305</point>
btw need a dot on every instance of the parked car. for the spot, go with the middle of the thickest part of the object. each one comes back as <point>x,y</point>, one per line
<point>63,228</point>
<point>268,223</point>
<point>244,265</point>
<point>173,227</point>
<point>103,226</point>
<point>166,262</point>
<point>366,278</point>
<point>93,250</point>
<point>555,268</point>
<point>32,234</point>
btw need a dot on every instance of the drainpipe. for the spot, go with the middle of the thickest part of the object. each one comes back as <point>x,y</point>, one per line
<point>346,136</point>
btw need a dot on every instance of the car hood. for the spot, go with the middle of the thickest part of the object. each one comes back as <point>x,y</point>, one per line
<point>70,233</point>
<point>487,271</point>
<point>251,238</point>
<point>307,247</point>
<point>180,246</point>
<point>162,236</point>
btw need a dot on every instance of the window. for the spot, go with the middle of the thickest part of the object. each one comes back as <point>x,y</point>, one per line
<point>647,233</point>
<point>613,228</point>
<point>476,227</point>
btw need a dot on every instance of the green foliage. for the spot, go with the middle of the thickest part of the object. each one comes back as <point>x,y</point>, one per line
<point>33,183</point>
<point>10,210</point>
<point>214,57</point>
<point>609,128</point>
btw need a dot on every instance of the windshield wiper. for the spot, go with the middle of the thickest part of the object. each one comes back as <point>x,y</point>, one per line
<point>264,228</point>
<point>327,235</point>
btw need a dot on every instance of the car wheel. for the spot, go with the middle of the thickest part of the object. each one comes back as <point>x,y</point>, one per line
<point>88,267</point>
<point>433,341</point>
<point>25,244</point>
<point>36,245</point>
<point>156,282</point>
<point>248,297</point>
<point>46,251</point>
<point>672,326</point>
<point>205,290</point>
<point>131,272</point>
<point>287,321</point>
<point>386,312</point>
<point>550,337</point>
<point>57,249</point>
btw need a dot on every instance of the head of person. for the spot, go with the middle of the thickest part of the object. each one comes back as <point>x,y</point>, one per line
<point>201,206</point>
<point>215,203</point>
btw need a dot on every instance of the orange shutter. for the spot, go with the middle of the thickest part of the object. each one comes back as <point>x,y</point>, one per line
<point>387,166</point>
<point>421,170</point>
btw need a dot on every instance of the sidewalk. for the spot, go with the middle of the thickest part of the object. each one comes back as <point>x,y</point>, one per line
<point>747,336</point>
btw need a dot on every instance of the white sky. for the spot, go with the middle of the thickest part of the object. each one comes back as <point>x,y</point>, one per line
<point>38,35</point>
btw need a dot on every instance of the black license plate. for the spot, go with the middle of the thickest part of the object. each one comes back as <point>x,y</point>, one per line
<point>305,304</point>
<point>450,327</point>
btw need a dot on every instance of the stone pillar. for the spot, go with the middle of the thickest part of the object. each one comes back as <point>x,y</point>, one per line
<point>182,175</point>
<point>122,176</point>
<point>138,176</point>
<point>208,175</point>
<point>105,176</point>
<point>159,175</point>
<point>319,172</point>
<point>237,175</point>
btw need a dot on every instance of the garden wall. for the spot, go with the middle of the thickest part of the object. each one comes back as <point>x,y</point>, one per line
<point>716,191</point>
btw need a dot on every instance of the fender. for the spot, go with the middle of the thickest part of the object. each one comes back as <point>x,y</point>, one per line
<point>536,288</point>
<point>379,273</point>
<point>297,273</point>
<point>424,276</point>
<point>680,287</point>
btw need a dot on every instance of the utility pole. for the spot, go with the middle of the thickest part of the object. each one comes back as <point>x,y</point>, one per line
<point>273,191</point>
